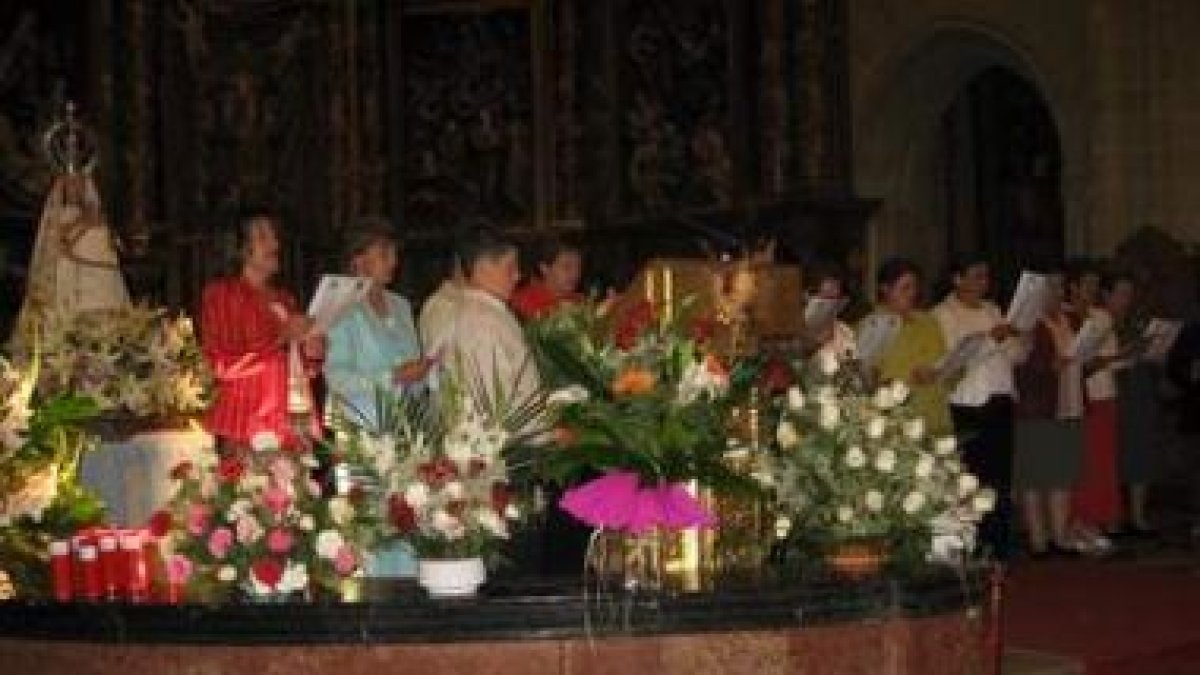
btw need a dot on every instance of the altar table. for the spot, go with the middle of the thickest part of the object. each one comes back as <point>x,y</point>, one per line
<point>928,626</point>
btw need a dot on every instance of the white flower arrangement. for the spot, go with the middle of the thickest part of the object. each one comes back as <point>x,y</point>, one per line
<point>136,361</point>
<point>860,464</point>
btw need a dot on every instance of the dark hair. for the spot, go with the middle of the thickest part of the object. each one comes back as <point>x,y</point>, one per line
<point>365,233</point>
<point>237,237</point>
<point>479,242</point>
<point>547,250</point>
<point>1111,278</point>
<point>1077,268</point>
<point>892,269</point>
<point>961,262</point>
<point>822,271</point>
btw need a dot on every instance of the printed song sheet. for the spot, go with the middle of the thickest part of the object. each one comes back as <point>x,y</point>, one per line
<point>965,352</point>
<point>874,335</point>
<point>1028,301</point>
<point>335,294</point>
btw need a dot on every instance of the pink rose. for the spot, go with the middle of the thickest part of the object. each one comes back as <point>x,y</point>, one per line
<point>219,542</point>
<point>198,517</point>
<point>179,569</point>
<point>278,500</point>
<point>279,541</point>
<point>248,529</point>
<point>345,562</point>
<point>283,470</point>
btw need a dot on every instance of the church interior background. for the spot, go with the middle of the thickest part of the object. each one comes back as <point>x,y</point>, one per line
<point>843,128</point>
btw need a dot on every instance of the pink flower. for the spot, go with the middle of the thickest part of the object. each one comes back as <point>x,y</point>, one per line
<point>278,500</point>
<point>248,529</point>
<point>179,569</point>
<point>198,518</point>
<point>279,541</point>
<point>345,562</point>
<point>283,470</point>
<point>219,542</point>
<point>314,488</point>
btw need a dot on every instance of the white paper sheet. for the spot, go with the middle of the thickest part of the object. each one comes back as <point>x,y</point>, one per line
<point>1028,301</point>
<point>1089,339</point>
<point>966,351</point>
<point>820,313</point>
<point>335,294</point>
<point>874,335</point>
<point>1160,335</point>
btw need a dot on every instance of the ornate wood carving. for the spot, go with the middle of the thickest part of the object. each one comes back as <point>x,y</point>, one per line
<point>468,115</point>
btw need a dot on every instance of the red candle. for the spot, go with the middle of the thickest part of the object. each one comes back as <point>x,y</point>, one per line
<point>90,571</point>
<point>137,578</point>
<point>110,567</point>
<point>60,570</point>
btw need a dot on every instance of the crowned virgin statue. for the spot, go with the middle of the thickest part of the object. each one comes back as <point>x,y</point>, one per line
<point>74,266</point>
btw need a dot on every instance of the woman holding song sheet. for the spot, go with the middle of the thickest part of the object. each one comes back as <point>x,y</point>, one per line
<point>916,344</point>
<point>373,346</point>
<point>981,402</point>
<point>257,342</point>
<point>1048,451</point>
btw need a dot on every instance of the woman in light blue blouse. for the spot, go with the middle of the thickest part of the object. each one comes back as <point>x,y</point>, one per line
<point>374,345</point>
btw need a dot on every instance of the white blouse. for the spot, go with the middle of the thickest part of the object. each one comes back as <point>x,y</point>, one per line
<point>992,373</point>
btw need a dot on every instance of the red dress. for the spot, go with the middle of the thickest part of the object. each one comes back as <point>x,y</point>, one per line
<point>535,300</point>
<point>240,335</point>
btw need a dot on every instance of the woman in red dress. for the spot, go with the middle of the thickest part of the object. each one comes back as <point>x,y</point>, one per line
<point>249,330</point>
<point>559,267</point>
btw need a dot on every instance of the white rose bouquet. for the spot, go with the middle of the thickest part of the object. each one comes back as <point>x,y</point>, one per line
<point>855,464</point>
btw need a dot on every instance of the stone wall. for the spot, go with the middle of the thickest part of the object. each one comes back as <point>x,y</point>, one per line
<point>1117,76</point>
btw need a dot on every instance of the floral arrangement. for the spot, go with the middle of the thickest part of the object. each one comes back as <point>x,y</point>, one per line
<point>439,463</point>
<point>654,404</point>
<point>134,362</point>
<point>260,522</point>
<point>852,464</point>
<point>40,447</point>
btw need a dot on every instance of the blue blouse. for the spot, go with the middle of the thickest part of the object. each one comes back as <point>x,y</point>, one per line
<point>363,351</point>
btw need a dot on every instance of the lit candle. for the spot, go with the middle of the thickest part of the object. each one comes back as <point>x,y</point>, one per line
<point>650,286</point>
<point>668,292</point>
<point>60,570</point>
<point>90,565</point>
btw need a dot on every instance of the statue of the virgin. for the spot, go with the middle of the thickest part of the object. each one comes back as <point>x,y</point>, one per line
<point>74,267</point>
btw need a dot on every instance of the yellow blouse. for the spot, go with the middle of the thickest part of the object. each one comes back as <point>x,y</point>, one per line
<point>919,342</point>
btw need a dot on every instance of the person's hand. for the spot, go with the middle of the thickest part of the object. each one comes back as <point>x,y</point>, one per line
<point>1002,331</point>
<point>923,375</point>
<point>411,372</point>
<point>313,347</point>
<point>296,327</point>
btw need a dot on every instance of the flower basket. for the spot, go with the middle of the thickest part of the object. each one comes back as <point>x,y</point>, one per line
<point>455,578</point>
<point>857,558</point>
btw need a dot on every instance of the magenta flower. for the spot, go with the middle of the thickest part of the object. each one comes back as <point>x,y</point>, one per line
<point>277,500</point>
<point>280,541</point>
<point>219,542</point>
<point>179,569</point>
<point>345,562</point>
<point>198,518</point>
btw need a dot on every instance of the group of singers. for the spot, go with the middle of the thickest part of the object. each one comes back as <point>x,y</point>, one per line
<point>1031,423</point>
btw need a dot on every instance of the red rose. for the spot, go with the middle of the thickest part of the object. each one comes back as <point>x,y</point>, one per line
<point>268,571</point>
<point>230,469</point>
<point>634,322</point>
<point>182,470</point>
<point>776,376</point>
<point>401,515</point>
<point>160,524</point>
<point>500,497</point>
<point>702,329</point>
